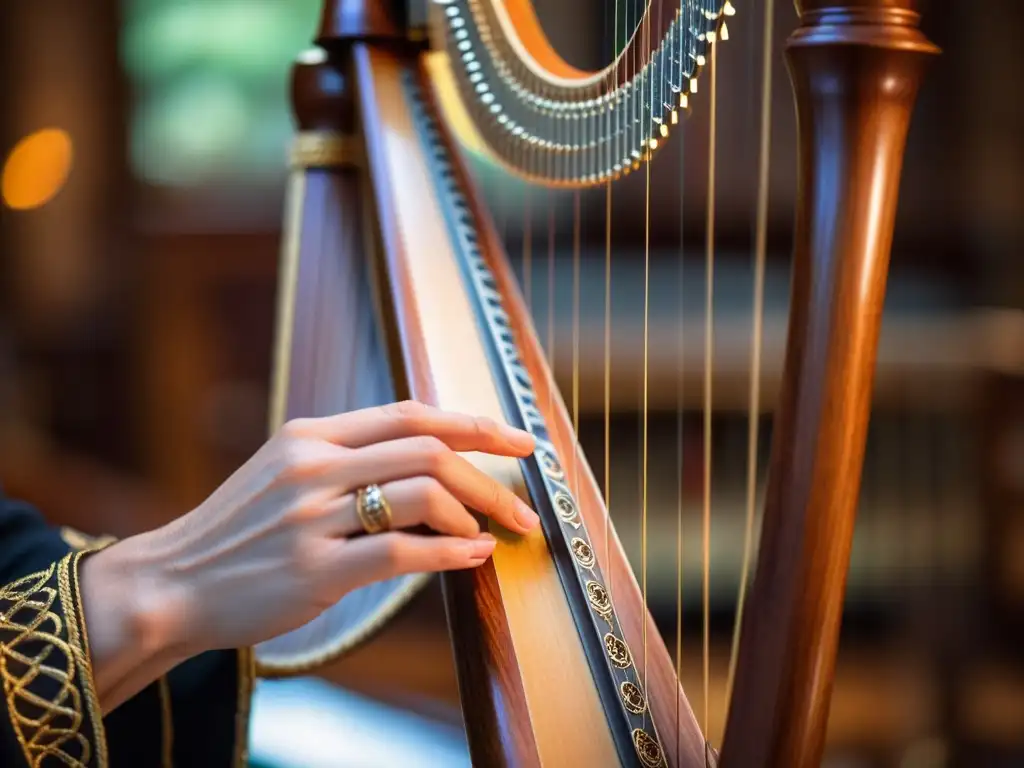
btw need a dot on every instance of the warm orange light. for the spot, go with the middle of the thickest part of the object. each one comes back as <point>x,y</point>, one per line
<point>36,169</point>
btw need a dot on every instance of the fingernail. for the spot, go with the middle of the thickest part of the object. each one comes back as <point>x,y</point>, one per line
<point>526,517</point>
<point>482,547</point>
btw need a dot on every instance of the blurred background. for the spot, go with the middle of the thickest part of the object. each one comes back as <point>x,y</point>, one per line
<point>143,145</point>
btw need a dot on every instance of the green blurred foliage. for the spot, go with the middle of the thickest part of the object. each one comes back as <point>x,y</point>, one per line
<point>211,86</point>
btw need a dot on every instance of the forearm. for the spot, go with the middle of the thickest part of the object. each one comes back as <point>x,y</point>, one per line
<point>132,621</point>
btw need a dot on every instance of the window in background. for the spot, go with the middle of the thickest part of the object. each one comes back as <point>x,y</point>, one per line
<point>211,87</point>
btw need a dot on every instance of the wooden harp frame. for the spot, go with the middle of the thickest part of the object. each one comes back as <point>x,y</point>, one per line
<point>362,103</point>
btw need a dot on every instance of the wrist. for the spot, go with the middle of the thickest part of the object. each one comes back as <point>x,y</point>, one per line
<point>135,618</point>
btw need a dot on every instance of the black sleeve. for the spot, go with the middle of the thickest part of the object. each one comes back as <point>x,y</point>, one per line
<point>197,715</point>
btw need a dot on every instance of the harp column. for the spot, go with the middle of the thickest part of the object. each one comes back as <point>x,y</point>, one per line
<point>327,352</point>
<point>855,69</point>
<point>321,225</point>
<point>330,355</point>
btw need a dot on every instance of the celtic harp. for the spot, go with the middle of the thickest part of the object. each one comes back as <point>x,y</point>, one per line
<point>395,284</point>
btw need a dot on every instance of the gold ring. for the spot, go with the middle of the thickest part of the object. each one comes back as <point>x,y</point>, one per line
<point>373,509</point>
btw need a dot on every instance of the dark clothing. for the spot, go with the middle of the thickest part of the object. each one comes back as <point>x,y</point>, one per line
<point>194,717</point>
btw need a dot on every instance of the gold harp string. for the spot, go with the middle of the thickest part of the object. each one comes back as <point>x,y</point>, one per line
<point>708,379</point>
<point>648,142</point>
<point>527,251</point>
<point>680,412</point>
<point>608,329</point>
<point>576,344</point>
<point>760,249</point>
<point>608,376</point>
<point>576,328</point>
<point>551,298</point>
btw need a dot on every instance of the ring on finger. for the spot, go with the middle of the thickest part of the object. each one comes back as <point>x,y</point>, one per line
<point>373,509</point>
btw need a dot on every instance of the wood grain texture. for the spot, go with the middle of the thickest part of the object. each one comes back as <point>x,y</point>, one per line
<point>680,735</point>
<point>330,356</point>
<point>855,70</point>
<point>518,655</point>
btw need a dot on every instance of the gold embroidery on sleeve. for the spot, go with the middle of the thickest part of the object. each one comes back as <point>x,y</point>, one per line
<point>167,723</point>
<point>44,665</point>
<point>82,541</point>
<point>246,680</point>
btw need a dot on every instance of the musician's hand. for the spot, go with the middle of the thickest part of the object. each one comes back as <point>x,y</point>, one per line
<point>274,546</point>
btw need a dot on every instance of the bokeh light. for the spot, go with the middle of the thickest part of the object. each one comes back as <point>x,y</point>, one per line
<point>36,169</point>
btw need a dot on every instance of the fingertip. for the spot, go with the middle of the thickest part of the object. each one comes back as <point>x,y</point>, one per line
<point>521,441</point>
<point>482,547</point>
<point>525,517</point>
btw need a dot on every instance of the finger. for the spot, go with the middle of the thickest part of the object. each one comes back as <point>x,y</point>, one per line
<point>459,431</point>
<point>383,556</point>
<point>414,456</point>
<point>413,501</point>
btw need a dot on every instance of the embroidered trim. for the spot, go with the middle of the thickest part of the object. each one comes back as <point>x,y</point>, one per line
<point>166,723</point>
<point>246,680</point>
<point>82,541</point>
<point>44,664</point>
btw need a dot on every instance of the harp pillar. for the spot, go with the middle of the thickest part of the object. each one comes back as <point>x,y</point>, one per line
<point>324,303</point>
<point>855,68</point>
<point>330,352</point>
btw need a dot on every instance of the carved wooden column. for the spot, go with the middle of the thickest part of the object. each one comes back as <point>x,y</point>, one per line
<point>855,70</point>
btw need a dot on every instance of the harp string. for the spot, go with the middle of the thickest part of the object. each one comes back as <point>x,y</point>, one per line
<point>551,296</point>
<point>648,123</point>
<point>760,249</point>
<point>608,337</point>
<point>576,341</point>
<point>680,413</point>
<point>527,251</point>
<point>708,381</point>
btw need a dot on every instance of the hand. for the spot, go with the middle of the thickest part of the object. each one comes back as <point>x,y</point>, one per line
<point>272,547</point>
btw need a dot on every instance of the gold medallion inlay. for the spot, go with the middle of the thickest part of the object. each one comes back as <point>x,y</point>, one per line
<point>632,698</point>
<point>549,463</point>
<point>599,600</point>
<point>566,509</point>
<point>582,552</point>
<point>647,749</point>
<point>618,653</point>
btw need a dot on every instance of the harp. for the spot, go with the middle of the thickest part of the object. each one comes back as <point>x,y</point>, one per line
<point>395,284</point>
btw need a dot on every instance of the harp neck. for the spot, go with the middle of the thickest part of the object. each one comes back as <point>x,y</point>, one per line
<point>855,69</point>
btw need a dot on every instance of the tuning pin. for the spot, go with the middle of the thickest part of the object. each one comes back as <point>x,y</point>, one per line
<point>652,144</point>
<point>712,35</point>
<point>663,131</point>
<point>701,61</point>
<point>728,9</point>
<point>723,33</point>
<point>675,117</point>
<point>693,85</point>
<point>684,100</point>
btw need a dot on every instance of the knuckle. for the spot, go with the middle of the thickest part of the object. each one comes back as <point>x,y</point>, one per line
<point>496,495</point>
<point>434,450</point>
<point>294,428</point>
<point>396,552</point>
<point>484,426</point>
<point>299,463</point>
<point>432,499</point>
<point>410,412</point>
<point>307,559</point>
<point>305,513</point>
